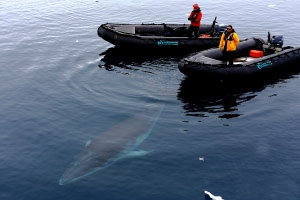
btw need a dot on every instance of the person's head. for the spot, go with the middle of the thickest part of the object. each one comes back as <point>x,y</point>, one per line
<point>229,28</point>
<point>196,6</point>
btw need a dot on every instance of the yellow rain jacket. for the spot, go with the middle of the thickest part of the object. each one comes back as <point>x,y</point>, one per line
<point>232,41</point>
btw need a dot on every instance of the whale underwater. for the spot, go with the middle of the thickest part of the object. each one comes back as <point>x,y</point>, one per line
<point>117,143</point>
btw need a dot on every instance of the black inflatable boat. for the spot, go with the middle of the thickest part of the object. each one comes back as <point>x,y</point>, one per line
<point>253,57</point>
<point>161,35</point>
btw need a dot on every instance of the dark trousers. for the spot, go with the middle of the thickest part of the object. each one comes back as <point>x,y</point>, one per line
<point>193,31</point>
<point>228,56</point>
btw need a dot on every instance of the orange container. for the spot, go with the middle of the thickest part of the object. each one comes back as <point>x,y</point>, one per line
<point>256,53</point>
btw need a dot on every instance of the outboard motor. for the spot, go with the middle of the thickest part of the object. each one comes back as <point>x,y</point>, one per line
<point>274,44</point>
<point>276,41</point>
<point>219,29</point>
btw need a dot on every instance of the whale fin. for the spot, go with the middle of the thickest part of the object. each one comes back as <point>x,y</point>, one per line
<point>132,154</point>
<point>210,196</point>
<point>88,142</point>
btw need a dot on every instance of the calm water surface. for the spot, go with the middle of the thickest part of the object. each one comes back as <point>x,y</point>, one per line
<point>62,86</point>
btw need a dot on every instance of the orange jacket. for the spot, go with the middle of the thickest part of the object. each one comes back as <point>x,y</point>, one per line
<point>195,18</point>
<point>232,41</point>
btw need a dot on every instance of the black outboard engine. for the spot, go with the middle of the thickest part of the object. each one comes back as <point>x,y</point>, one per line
<point>274,44</point>
<point>217,30</point>
<point>276,41</point>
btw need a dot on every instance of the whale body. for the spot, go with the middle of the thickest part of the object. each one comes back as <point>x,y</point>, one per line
<point>117,143</point>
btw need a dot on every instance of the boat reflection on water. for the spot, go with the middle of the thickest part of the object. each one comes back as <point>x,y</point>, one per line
<point>200,98</point>
<point>203,97</point>
<point>119,58</point>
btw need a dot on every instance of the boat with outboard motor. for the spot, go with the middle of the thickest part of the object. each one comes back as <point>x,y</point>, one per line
<point>161,35</point>
<point>253,57</point>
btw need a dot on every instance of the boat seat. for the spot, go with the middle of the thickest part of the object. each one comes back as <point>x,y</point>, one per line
<point>145,30</point>
<point>127,29</point>
<point>242,60</point>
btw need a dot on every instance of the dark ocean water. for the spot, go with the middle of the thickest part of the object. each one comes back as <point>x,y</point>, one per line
<point>61,86</point>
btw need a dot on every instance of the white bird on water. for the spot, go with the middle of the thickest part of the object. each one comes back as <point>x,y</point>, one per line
<point>210,196</point>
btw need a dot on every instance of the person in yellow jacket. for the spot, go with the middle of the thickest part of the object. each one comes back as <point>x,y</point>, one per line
<point>228,44</point>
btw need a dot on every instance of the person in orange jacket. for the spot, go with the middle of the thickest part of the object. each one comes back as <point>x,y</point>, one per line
<point>195,18</point>
<point>228,44</point>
